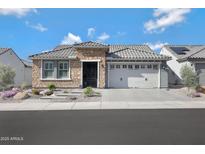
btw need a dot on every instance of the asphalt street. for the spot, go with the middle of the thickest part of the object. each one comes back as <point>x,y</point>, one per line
<point>115,127</point>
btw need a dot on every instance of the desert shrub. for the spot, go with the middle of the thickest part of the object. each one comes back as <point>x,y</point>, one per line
<point>51,87</point>
<point>189,77</point>
<point>7,75</point>
<point>9,93</point>
<point>88,91</point>
<point>35,92</point>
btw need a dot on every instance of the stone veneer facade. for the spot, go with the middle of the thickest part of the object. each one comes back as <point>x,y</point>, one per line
<point>75,70</point>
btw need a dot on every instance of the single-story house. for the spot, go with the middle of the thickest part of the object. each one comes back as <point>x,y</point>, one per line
<point>99,65</point>
<point>22,68</point>
<point>191,55</point>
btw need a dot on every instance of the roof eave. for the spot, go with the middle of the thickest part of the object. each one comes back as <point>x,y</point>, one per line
<point>53,58</point>
<point>182,60</point>
<point>154,59</point>
<point>90,47</point>
<point>189,59</point>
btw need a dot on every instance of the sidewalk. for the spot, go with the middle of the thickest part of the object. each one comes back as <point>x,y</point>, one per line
<point>40,105</point>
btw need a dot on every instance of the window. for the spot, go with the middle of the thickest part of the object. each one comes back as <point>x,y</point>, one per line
<point>48,69</point>
<point>117,66</point>
<point>62,69</point>
<point>137,66</point>
<point>155,67</point>
<point>124,66</point>
<point>142,66</point>
<point>130,66</point>
<point>54,70</point>
<point>112,66</point>
<point>149,66</point>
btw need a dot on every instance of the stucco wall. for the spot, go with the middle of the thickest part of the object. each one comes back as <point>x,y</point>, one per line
<point>174,76</point>
<point>200,69</point>
<point>28,75</point>
<point>23,74</point>
<point>164,79</point>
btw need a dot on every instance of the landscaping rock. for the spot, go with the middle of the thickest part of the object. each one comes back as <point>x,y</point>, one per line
<point>28,90</point>
<point>21,95</point>
<point>191,91</point>
<point>195,95</point>
<point>16,89</point>
<point>46,92</point>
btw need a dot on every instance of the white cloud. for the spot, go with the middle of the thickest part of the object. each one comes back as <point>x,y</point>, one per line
<point>164,18</point>
<point>156,46</point>
<point>39,27</point>
<point>71,39</point>
<point>91,32</point>
<point>18,12</point>
<point>103,37</point>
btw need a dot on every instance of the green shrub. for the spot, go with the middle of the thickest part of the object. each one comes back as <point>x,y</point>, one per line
<point>88,91</point>
<point>7,75</point>
<point>35,92</point>
<point>51,87</point>
<point>189,77</point>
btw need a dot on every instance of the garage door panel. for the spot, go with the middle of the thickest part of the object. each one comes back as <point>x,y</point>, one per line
<point>133,78</point>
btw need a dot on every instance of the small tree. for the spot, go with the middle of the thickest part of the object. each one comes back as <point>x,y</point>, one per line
<point>189,77</point>
<point>88,91</point>
<point>7,75</point>
<point>51,87</point>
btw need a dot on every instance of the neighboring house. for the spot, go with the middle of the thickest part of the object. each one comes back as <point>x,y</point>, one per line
<point>22,68</point>
<point>99,65</point>
<point>191,55</point>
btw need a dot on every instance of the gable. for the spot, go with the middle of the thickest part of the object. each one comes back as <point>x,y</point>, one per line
<point>9,56</point>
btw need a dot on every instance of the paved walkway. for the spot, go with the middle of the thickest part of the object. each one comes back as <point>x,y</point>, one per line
<point>37,104</point>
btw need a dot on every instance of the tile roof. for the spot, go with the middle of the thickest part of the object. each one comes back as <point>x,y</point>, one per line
<point>139,52</point>
<point>3,50</point>
<point>114,48</point>
<point>194,52</point>
<point>90,44</point>
<point>57,53</point>
<point>199,55</point>
<point>115,52</point>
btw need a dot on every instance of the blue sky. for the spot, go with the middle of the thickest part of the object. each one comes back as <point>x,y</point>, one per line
<point>30,31</point>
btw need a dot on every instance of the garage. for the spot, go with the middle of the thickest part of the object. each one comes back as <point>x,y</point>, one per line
<point>200,68</point>
<point>133,75</point>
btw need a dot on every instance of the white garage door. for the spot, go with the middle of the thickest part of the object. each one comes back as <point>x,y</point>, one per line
<point>133,75</point>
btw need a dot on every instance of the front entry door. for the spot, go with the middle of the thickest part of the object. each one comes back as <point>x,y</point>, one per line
<point>89,74</point>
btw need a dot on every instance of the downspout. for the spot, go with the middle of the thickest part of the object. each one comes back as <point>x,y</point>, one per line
<point>159,78</point>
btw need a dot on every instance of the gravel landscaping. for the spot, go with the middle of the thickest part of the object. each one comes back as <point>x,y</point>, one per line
<point>57,96</point>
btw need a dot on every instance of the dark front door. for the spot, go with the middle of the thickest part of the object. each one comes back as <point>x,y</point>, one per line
<point>89,74</point>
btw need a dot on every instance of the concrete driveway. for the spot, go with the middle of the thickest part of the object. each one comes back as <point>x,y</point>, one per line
<point>144,95</point>
<point>116,99</point>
